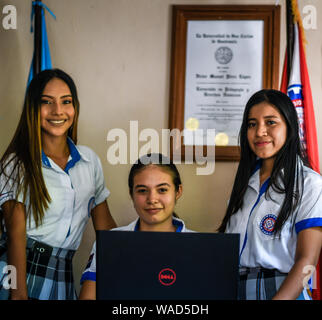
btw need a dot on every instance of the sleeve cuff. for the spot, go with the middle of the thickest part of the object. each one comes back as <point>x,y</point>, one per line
<point>308,223</point>
<point>102,196</point>
<point>88,276</point>
<point>6,197</point>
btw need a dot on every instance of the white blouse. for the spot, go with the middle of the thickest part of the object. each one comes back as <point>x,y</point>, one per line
<point>74,192</point>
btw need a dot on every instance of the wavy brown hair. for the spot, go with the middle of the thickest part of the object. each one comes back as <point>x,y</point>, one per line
<point>20,165</point>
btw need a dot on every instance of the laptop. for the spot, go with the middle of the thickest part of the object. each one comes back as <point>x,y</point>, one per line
<point>166,266</point>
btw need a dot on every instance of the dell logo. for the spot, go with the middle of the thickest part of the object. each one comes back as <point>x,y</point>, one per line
<point>167,277</point>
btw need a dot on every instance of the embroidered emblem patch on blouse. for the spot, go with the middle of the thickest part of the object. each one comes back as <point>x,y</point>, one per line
<point>267,224</point>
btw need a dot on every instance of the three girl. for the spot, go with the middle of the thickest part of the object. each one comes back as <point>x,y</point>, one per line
<point>276,202</point>
<point>154,186</point>
<point>50,187</point>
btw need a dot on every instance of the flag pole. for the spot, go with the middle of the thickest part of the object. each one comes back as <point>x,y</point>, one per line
<point>37,40</point>
<point>290,36</point>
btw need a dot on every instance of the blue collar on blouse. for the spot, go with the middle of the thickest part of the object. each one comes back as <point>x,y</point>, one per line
<point>264,186</point>
<point>178,224</point>
<point>74,153</point>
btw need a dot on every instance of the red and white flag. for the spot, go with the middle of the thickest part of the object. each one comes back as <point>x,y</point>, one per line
<point>298,88</point>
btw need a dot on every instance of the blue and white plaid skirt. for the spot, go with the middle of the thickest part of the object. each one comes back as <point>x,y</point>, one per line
<point>49,272</point>
<point>262,284</point>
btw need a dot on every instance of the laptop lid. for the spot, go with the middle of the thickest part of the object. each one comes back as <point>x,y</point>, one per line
<point>166,265</point>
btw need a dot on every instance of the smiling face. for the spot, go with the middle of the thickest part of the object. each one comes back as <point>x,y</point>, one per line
<point>154,197</point>
<point>57,111</point>
<point>267,130</point>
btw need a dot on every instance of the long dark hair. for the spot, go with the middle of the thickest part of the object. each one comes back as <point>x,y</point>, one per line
<point>285,167</point>
<point>21,162</point>
<point>159,160</point>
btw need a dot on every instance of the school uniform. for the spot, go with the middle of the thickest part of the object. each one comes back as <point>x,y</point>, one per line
<point>265,257</point>
<point>90,270</point>
<point>74,192</point>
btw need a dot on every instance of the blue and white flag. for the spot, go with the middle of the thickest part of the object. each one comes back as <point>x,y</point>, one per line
<point>45,52</point>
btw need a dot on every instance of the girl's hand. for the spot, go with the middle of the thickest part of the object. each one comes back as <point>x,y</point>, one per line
<point>88,290</point>
<point>15,222</point>
<point>18,296</point>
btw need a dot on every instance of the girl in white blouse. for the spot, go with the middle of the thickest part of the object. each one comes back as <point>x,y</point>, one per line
<point>49,188</point>
<point>154,186</point>
<point>276,202</point>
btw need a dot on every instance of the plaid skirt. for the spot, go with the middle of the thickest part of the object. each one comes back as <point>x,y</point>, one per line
<point>49,272</point>
<point>262,284</point>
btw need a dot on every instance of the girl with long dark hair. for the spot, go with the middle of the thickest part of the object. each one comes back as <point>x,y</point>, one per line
<point>49,188</point>
<point>275,204</point>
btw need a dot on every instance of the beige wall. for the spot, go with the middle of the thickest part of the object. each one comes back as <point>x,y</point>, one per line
<point>118,52</point>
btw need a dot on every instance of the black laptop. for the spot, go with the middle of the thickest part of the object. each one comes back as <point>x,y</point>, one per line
<point>166,266</point>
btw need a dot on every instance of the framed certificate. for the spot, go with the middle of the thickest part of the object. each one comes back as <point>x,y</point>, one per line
<point>221,55</point>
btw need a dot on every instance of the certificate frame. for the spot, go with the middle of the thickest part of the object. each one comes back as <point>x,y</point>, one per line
<point>181,15</point>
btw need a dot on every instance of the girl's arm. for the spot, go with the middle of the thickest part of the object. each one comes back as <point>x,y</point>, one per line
<point>308,250</point>
<point>15,222</point>
<point>102,218</point>
<point>88,290</point>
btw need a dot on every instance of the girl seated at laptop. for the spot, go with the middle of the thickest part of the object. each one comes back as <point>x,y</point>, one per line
<point>276,202</point>
<point>154,186</point>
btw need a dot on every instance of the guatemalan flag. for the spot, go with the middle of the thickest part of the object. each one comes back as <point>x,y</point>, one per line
<point>298,88</point>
